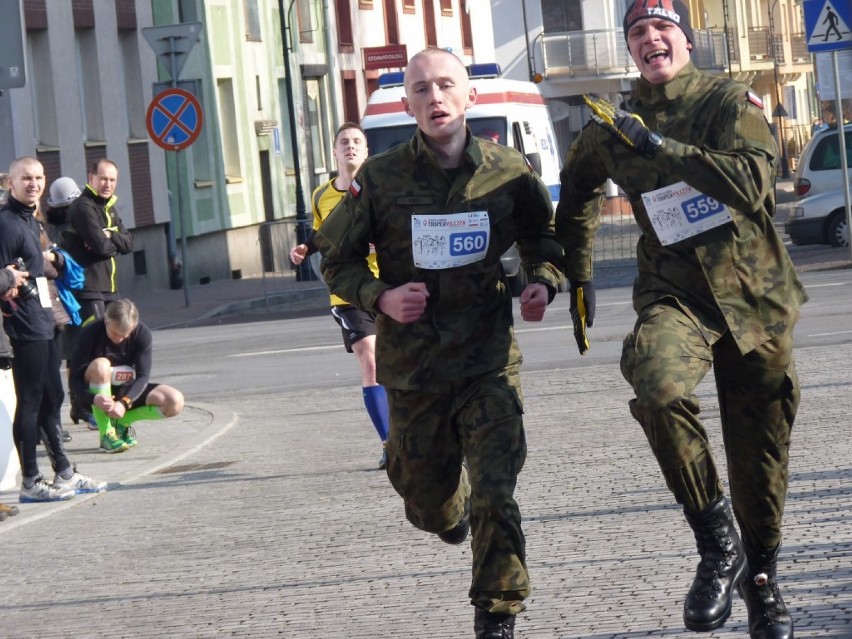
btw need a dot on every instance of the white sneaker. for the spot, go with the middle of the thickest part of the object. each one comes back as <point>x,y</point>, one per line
<point>79,483</point>
<point>41,490</point>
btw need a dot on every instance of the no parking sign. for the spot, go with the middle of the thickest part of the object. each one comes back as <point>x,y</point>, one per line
<point>174,119</point>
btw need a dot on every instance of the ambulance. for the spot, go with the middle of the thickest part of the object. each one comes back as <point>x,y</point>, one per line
<point>511,112</point>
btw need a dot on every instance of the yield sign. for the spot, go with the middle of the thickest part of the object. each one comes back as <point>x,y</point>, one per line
<point>172,44</point>
<point>827,24</point>
<point>174,119</point>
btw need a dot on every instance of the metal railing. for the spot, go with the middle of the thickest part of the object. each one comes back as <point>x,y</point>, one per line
<point>763,47</point>
<point>614,243</point>
<point>799,48</point>
<point>586,53</point>
<point>604,52</point>
<point>616,238</point>
<point>279,274</point>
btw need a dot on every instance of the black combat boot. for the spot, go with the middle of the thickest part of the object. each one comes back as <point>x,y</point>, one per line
<point>767,615</point>
<point>458,533</point>
<point>723,565</point>
<point>493,625</point>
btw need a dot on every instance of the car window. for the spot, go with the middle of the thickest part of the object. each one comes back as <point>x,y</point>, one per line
<point>383,138</point>
<point>826,155</point>
<point>493,129</point>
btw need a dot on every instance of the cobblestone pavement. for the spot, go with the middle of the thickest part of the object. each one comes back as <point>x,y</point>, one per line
<point>264,517</point>
<point>274,524</point>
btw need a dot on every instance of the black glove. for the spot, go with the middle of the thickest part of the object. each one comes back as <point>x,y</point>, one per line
<point>582,308</point>
<point>627,127</point>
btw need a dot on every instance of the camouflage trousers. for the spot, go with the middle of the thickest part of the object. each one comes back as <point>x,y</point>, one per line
<point>664,359</point>
<point>467,443</point>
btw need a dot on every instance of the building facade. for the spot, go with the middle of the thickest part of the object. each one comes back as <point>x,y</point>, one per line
<point>578,46</point>
<point>86,92</point>
<point>274,79</point>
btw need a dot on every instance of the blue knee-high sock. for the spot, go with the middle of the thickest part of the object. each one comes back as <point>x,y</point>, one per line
<point>376,401</point>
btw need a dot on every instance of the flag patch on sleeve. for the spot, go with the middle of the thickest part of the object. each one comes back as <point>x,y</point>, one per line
<point>355,188</point>
<point>756,101</point>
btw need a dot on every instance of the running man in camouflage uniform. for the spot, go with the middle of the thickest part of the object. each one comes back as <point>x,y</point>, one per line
<point>441,210</point>
<point>723,295</point>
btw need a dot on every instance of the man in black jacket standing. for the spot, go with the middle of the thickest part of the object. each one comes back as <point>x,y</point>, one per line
<point>94,236</point>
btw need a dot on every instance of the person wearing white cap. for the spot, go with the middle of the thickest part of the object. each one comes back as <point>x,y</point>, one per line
<point>62,193</point>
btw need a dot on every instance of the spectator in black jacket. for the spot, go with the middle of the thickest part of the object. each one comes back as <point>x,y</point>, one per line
<point>28,320</point>
<point>94,236</point>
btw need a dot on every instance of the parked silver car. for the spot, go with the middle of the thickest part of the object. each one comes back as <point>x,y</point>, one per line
<point>819,219</point>
<point>819,169</point>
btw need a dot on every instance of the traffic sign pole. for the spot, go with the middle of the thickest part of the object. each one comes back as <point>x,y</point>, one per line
<point>173,43</point>
<point>838,17</point>
<point>174,122</point>
<point>179,219</point>
<point>841,133</point>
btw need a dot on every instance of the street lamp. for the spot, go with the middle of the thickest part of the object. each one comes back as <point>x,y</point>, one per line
<point>530,69</point>
<point>303,270</point>
<point>728,43</point>
<point>780,112</point>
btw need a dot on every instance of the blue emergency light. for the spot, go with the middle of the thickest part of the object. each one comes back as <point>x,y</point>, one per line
<point>484,70</point>
<point>393,79</point>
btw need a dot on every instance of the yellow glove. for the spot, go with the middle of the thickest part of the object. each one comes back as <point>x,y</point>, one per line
<point>582,308</point>
<point>628,127</point>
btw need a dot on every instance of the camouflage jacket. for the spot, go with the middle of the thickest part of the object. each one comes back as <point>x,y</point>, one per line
<point>735,277</point>
<point>466,330</point>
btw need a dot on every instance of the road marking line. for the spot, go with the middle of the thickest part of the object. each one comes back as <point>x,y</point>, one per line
<point>286,350</point>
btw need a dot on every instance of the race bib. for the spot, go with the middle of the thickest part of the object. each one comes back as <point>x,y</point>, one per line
<point>449,240</point>
<point>122,375</point>
<point>678,212</point>
<point>43,292</point>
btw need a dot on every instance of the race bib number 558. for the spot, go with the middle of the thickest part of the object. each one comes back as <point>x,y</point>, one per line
<point>449,240</point>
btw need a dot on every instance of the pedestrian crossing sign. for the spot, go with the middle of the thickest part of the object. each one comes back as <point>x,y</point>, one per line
<point>827,24</point>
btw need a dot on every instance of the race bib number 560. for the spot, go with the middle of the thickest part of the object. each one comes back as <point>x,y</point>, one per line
<point>449,240</point>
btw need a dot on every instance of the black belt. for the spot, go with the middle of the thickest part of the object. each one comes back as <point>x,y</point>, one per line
<point>5,363</point>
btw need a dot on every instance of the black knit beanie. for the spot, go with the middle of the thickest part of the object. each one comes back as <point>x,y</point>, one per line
<point>673,10</point>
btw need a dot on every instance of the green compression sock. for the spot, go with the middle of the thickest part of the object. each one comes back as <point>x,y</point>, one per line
<point>101,418</point>
<point>148,412</point>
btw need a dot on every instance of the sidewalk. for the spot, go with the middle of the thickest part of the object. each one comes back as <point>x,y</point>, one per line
<point>251,297</point>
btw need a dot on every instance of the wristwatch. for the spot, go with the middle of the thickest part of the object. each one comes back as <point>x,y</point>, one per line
<point>653,144</point>
<point>128,403</point>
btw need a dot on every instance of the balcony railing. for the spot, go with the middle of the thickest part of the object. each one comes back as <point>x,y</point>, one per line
<point>758,43</point>
<point>586,53</point>
<point>604,52</point>
<point>762,47</point>
<point>799,48</point>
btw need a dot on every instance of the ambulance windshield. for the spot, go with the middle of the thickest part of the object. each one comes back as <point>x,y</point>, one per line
<point>384,138</point>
